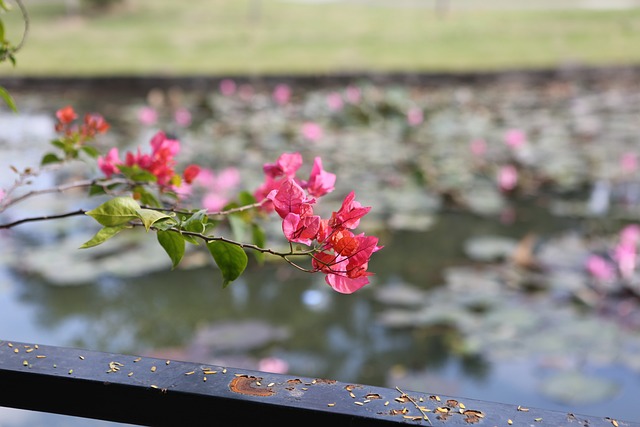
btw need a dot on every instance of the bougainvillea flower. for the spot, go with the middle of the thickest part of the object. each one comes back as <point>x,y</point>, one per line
<point>287,165</point>
<point>478,147</point>
<point>507,177</point>
<point>93,124</point>
<point>349,214</point>
<point>515,138</point>
<point>227,87</point>
<point>147,115</point>
<point>415,116</point>
<point>600,268</point>
<point>66,115</point>
<point>334,101</point>
<point>281,94</point>
<point>629,162</point>
<point>109,164</point>
<point>291,198</point>
<point>626,256</point>
<point>274,365</point>
<point>312,131</point>
<point>320,181</point>
<point>353,94</point>
<point>218,188</point>
<point>630,234</point>
<point>190,173</point>
<point>346,285</point>
<point>182,117</point>
<point>300,230</point>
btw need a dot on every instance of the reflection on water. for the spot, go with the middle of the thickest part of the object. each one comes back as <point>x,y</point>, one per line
<point>451,309</point>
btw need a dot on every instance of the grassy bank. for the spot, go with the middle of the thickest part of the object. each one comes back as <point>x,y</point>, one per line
<point>272,36</point>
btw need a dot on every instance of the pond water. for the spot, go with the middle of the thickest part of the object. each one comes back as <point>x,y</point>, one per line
<point>492,201</point>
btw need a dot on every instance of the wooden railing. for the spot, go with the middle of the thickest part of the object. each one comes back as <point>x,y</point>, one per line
<point>155,392</point>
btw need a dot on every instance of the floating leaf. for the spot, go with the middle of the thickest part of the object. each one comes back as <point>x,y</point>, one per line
<point>576,388</point>
<point>116,211</point>
<point>103,235</point>
<point>173,243</point>
<point>230,258</point>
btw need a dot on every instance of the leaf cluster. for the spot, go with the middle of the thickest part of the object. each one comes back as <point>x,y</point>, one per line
<point>174,230</point>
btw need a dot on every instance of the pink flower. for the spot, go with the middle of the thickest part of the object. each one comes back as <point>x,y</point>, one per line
<point>600,268</point>
<point>415,116</point>
<point>478,147</point>
<point>227,87</point>
<point>287,165</point>
<point>217,189</point>
<point>291,198</point>
<point>108,164</point>
<point>312,131</point>
<point>281,94</point>
<point>629,162</point>
<point>182,116</point>
<point>320,181</point>
<point>2,194</point>
<point>625,255</point>
<point>147,116</point>
<point>349,214</point>
<point>334,101</point>
<point>507,177</point>
<point>300,230</point>
<point>245,91</point>
<point>514,138</point>
<point>347,273</point>
<point>190,173</point>
<point>345,284</point>
<point>630,234</point>
<point>353,94</point>
<point>274,365</point>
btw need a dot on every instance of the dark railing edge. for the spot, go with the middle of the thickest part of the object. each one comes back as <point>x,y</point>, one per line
<point>139,83</point>
<point>155,392</point>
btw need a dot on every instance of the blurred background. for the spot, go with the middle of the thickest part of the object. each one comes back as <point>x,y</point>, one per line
<point>496,141</point>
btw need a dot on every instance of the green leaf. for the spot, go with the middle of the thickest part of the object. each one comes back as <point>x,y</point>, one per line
<point>149,217</point>
<point>3,5</point>
<point>260,240</point>
<point>50,158</point>
<point>230,258</point>
<point>173,244</point>
<point>91,151</point>
<point>146,197</point>
<point>196,222</point>
<point>103,235</point>
<point>95,190</point>
<point>245,198</point>
<point>8,99</point>
<point>239,227</point>
<point>116,211</point>
<point>135,173</point>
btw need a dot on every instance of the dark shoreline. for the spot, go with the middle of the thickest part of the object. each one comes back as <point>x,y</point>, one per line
<point>143,83</point>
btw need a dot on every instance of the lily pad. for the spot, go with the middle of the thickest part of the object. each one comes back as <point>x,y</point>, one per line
<point>577,388</point>
<point>490,248</point>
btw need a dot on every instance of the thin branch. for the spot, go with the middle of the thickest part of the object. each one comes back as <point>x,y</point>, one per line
<point>25,17</point>
<point>42,218</point>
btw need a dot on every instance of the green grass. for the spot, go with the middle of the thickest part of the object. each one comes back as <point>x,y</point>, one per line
<point>220,37</point>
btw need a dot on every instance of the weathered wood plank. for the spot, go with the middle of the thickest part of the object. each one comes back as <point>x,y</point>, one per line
<point>155,392</point>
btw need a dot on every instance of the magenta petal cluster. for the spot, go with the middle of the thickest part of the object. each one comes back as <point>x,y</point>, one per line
<point>337,252</point>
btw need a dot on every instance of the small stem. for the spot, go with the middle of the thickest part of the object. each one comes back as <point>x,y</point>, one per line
<point>418,407</point>
<point>42,218</point>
